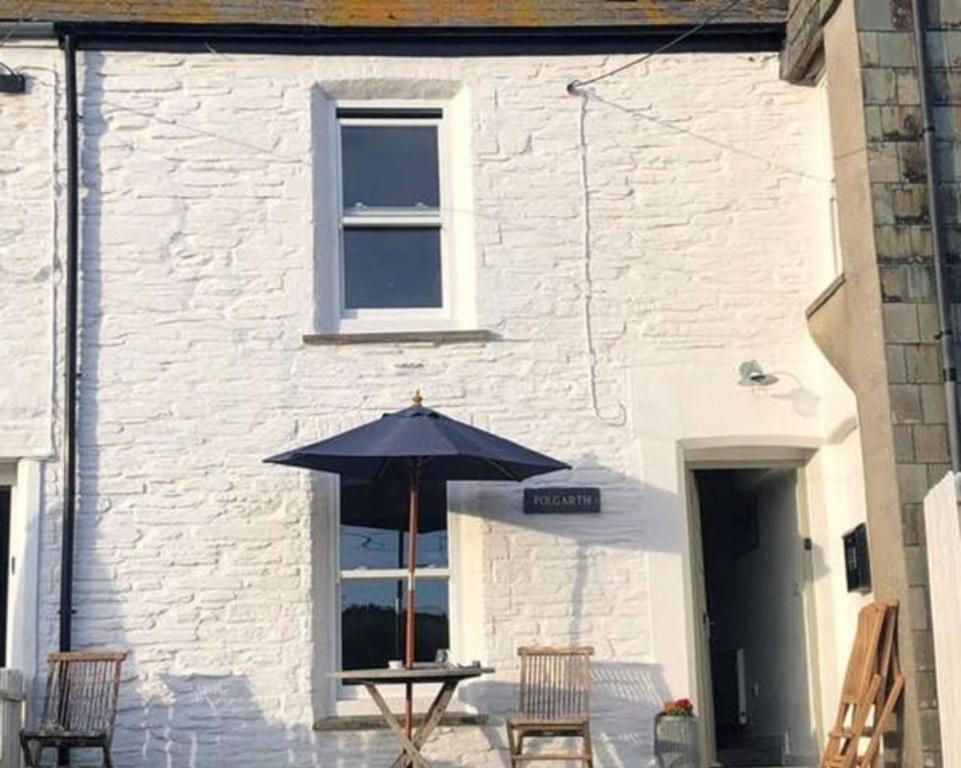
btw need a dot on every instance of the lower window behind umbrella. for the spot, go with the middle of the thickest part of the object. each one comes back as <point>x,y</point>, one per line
<point>373,573</point>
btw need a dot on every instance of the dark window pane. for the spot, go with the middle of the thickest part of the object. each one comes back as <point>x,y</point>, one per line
<point>390,166</point>
<point>431,619</point>
<point>386,268</point>
<point>372,621</point>
<point>371,624</point>
<point>374,522</point>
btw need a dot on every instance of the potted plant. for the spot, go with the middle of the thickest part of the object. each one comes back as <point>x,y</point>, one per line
<point>677,736</point>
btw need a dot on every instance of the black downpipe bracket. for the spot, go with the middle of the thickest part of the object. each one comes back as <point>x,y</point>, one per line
<point>72,291</point>
<point>946,335</point>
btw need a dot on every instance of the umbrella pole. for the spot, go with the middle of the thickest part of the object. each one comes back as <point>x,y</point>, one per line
<point>411,591</point>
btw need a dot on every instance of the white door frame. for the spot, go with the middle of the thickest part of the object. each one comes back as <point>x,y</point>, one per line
<point>24,478</point>
<point>702,638</point>
<point>795,459</point>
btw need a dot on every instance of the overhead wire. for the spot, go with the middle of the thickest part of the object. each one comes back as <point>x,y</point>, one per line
<point>575,85</point>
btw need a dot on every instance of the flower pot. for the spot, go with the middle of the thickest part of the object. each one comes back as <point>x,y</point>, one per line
<point>677,742</point>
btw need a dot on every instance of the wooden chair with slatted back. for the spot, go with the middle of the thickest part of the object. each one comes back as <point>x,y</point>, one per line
<point>554,702</point>
<point>80,705</point>
<point>859,690</point>
<point>889,668</point>
<point>872,687</point>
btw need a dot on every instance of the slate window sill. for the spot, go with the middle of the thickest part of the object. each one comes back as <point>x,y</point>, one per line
<point>376,723</point>
<point>398,337</point>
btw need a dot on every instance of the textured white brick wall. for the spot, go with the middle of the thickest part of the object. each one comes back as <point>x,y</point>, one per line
<point>706,242</point>
<point>27,256</point>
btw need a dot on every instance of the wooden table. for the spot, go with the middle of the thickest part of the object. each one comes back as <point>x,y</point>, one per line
<point>448,678</point>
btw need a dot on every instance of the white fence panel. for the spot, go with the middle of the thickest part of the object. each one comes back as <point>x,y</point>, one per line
<point>942,524</point>
<point>11,717</point>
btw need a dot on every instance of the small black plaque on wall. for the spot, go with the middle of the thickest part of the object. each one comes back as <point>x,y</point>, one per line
<point>562,501</point>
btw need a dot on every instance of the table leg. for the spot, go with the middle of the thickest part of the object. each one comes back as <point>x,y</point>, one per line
<point>411,755</point>
<point>434,715</point>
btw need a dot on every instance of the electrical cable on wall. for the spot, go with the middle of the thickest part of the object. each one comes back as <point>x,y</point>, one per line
<point>621,418</point>
<point>576,88</point>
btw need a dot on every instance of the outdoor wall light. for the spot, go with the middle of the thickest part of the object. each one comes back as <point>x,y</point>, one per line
<point>10,81</point>
<point>753,375</point>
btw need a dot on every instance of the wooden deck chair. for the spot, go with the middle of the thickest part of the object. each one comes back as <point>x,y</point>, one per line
<point>79,707</point>
<point>553,703</point>
<point>859,690</point>
<point>872,686</point>
<point>892,685</point>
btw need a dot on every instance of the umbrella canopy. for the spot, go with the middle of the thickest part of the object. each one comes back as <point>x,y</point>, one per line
<point>385,505</point>
<point>439,447</point>
<point>417,446</point>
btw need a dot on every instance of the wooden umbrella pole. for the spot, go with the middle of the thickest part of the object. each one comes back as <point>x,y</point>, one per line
<point>411,591</point>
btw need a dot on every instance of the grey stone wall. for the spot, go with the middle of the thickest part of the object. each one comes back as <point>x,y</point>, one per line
<point>903,245</point>
<point>903,241</point>
<point>944,56</point>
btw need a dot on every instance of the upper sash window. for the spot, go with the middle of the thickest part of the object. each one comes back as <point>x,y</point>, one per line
<point>393,254</point>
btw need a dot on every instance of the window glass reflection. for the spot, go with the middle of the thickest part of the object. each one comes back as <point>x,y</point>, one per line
<point>388,267</point>
<point>373,621</point>
<point>390,166</point>
<point>374,522</point>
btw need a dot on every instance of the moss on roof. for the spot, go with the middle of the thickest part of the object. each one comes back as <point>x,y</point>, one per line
<point>399,13</point>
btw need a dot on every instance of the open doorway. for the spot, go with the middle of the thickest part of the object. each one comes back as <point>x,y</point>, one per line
<point>754,572</point>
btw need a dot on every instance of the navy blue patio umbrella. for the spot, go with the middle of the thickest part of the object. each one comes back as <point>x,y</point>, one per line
<point>414,445</point>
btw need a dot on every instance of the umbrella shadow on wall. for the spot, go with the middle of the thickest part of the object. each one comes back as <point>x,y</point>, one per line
<point>578,580</point>
<point>204,720</point>
<point>569,578</point>
<point>625,697</point>
<point>215,721</point>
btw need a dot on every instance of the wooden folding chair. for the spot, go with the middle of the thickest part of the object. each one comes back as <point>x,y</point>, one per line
<point>80,705</point>
<point>892,685</point>
<point>553,703</point>
<point>872,686</point>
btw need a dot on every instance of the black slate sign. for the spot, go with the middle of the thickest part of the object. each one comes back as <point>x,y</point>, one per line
<point>562,501</point>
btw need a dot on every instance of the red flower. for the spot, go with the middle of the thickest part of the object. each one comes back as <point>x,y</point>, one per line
<point>679,708</point>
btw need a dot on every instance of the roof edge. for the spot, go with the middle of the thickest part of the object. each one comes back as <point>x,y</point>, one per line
<point>439,41</point>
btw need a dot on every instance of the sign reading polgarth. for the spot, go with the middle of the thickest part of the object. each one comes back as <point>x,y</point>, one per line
<point>562,501</point>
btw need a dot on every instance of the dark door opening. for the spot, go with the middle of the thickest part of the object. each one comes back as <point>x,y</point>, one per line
<point>755,566</point>
<point>4,569</point>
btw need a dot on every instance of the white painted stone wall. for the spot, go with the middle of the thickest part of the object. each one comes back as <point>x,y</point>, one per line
<point>28,198</point>
<point>31,236</point>
<point>835,477</point>
<point>942,527</point>
<point>707,239</point>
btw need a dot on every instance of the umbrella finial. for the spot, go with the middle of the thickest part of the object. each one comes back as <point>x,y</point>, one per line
<point>417,399</point>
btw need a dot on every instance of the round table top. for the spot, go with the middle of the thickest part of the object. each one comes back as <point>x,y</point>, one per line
<point>427,673</point>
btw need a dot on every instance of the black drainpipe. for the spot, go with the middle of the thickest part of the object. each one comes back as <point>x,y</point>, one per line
<point>945,334</point>
<point>72,290</point>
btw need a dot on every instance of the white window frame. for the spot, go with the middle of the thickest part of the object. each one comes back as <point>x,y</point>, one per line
<point>346,694</point>
<point>396,318</point>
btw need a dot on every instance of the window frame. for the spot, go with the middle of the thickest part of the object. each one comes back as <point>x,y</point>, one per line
<point>349,693</point>
<point>396,114</point>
